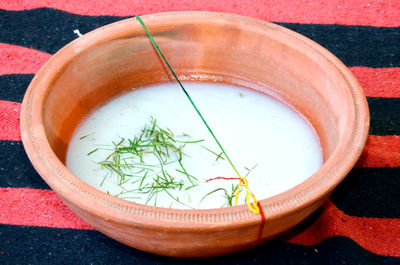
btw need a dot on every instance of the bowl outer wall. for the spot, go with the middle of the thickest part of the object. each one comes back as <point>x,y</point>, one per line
<point>100,209</point>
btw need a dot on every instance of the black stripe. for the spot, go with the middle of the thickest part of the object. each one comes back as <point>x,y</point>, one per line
<point>39,245</point>
<point>49,29</point>
<point>16,171</point>
<point>13,87</point>
<point>356,45</point>
<point>370,192</point>
<point>385,116</point>
<point>46,29</point>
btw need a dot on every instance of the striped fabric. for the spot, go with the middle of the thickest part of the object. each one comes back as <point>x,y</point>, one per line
<point>360,224</point>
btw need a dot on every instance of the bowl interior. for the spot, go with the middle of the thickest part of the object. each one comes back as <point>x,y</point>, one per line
<point>267,61</point>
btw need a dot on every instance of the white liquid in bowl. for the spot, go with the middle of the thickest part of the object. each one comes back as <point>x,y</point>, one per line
<point>254,129</point>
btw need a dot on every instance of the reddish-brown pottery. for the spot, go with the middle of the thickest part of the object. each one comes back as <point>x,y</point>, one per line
<point>203,47</point>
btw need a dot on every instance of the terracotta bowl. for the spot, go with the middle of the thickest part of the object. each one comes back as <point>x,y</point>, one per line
<point>203,47</point>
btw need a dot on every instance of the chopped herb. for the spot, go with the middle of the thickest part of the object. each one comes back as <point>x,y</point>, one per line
<point>83,137</point>
<point>219,156</point>
<point>91,152</point>
<point>142,163</point>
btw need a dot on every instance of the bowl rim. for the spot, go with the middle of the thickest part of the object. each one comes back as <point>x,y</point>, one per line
<point>63,182</point>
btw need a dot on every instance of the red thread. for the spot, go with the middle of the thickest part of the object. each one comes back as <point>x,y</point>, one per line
<point>260,230</point>
<point>208,180</point>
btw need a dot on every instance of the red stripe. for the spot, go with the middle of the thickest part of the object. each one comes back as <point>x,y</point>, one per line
<point>355,12</point>
<point>378,235</point>
<point>20,60</point>
<point>22,206</point>
<point>376,82</point>
<point>9,120</point>
<point>379,82</point>
<point>37,208</point>
<point>381,151</point>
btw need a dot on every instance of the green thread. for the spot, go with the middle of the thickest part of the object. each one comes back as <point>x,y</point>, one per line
<point>187,94</point>
<point>252,206</point>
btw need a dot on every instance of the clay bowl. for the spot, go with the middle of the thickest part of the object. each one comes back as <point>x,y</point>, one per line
<point>200,46</point>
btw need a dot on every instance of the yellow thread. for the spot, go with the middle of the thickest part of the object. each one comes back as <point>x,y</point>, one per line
<point>250,199</point>
<point>243,181</point>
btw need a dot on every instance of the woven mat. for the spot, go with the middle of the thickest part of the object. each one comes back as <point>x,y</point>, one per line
<point>360,224</point>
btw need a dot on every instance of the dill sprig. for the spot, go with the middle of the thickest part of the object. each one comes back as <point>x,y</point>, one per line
<point>141,163</point>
